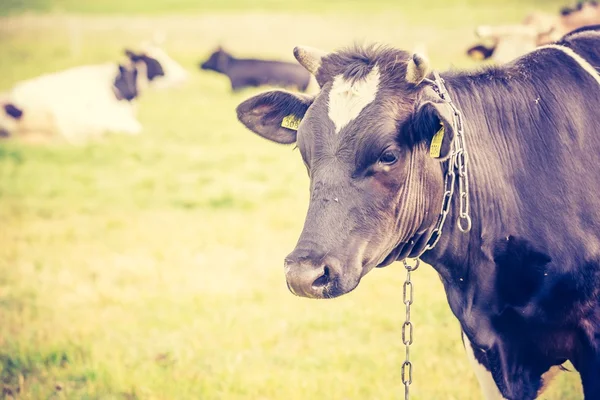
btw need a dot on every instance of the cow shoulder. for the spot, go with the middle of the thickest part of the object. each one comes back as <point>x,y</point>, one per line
<point>520,270</point>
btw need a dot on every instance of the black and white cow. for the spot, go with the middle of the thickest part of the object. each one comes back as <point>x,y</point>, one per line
<point>524,282</point>
<point>159,69</point>
<point>252,72</point>
<point>75,104</point>
<point>151,67</point>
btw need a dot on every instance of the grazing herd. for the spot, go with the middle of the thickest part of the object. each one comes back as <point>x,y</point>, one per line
<point>86,102</point>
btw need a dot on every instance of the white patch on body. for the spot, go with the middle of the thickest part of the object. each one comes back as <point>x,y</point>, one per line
<point>580,60</point>
<point>347,99</point>
<point>486,381</point>
<point>79,101</point>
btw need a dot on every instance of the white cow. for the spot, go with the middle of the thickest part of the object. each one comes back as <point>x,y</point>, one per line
<point>77,103</point>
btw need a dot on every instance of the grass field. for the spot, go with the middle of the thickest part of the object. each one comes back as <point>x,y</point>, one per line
<point>151,267</point>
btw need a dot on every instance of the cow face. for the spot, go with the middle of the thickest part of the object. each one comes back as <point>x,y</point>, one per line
<point>375,190</point>
<point>125,84</point>
<point>153,68</point>
<point>217,61</point>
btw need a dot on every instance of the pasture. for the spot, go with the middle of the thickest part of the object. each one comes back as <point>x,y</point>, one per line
<point>151,267</point>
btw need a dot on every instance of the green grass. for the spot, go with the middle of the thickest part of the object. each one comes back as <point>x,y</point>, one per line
<point>151,267</point>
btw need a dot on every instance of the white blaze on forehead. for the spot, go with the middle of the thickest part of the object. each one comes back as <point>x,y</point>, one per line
<point>348,99</point>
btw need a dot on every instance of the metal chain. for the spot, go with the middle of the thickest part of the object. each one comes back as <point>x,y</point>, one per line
<point>461,163</point>
<point>449,182</point>
<point>458,161</point>
<point>407,327</point>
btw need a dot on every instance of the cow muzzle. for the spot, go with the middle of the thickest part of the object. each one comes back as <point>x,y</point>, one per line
<point>314,277</point>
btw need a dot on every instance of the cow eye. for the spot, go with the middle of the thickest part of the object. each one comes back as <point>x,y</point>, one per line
<point>388,157</point>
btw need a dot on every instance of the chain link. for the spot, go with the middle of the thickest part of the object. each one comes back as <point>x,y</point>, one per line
<point>457,163</point>
<point>460,164</point>
<point>407,327</point>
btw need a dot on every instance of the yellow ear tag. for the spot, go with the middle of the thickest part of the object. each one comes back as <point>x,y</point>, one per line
<point>291,122</point>
<point>436,143</point>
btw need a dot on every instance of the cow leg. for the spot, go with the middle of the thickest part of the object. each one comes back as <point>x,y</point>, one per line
<point>484,376</point>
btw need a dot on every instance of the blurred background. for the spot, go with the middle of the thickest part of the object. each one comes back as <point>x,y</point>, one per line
<point>149,265</point>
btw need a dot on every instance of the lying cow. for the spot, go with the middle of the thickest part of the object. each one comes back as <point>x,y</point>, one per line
<point>251,72</point>
<point>511,41</point>
<point>76,103</point>
<point>381,142</point>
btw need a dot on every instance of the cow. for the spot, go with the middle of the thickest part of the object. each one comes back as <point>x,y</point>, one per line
<point>381,141</point>
<point>509,42</point>
<point>245,73</point>
<point>162,71</point>
<point>150,67</point>
<point>76,104</point>
<point>537,29</point>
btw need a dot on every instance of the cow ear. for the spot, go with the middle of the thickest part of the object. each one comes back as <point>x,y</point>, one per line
<point>274,115</point>
<point>434,123</point>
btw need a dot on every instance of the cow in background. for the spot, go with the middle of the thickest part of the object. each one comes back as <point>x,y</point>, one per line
<point>507,42</point>
<point>254,72</point>
<point>75,104</point>
<point>149,69</point>
<point>161,70</point>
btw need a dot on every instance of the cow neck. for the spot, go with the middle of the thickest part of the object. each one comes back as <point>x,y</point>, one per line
<point>455,170</point>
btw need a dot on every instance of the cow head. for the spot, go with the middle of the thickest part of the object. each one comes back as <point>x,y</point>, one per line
<point>125,83</point>
<point>217,61</point>
<point>153,67</point>
<point>365,138</point>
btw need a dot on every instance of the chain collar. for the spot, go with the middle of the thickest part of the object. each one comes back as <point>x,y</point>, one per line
<point>457,164</point>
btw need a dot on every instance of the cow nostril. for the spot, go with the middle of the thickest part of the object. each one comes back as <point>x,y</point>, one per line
<point>323,280</point>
